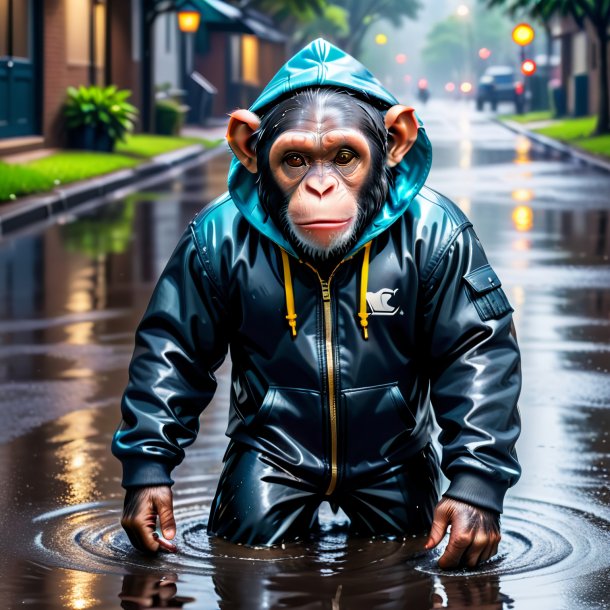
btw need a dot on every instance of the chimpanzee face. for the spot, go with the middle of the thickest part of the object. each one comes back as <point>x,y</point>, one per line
<point>323,161</point>
<point>320,165</point>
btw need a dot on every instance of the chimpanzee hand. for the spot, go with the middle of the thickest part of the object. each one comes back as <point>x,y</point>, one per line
<point>140,511</point>
<point>475,533</point>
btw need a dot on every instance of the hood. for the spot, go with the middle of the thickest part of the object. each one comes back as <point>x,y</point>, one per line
<point>322,64</point>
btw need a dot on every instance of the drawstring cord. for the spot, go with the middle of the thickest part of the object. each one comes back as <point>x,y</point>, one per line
<point>292,316</point>
<point>364,280</point>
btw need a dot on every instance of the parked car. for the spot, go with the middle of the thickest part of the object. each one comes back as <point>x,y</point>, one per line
<point>499,84</point>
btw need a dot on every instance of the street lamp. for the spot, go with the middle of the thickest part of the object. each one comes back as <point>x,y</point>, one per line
<point>188,23</point>
<point>523,34</point>
<point>151,10</point>
<point>381,39</point>
<point>188,19</point>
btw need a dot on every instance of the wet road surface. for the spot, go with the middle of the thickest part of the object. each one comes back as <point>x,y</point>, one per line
<point>71,295</point>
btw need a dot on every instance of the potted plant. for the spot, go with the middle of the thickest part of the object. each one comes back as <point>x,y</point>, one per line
<point>96,117</point>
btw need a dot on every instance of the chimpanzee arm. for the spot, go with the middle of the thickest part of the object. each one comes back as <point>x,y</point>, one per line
<point>179,344</point>
<point>475,375</point>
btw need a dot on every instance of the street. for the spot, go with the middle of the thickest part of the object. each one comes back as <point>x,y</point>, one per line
<point>72,293</point>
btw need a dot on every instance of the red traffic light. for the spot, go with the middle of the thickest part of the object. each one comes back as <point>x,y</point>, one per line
<point>528,67</point>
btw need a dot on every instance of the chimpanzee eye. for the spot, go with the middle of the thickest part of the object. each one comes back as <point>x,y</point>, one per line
<point>294,160</point>
<point>344,157</point>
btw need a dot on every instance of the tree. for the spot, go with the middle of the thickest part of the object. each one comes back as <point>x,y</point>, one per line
<point>362,14</point>
<point>597,13</point>
<point>451,49</point>
<point>343,22</point>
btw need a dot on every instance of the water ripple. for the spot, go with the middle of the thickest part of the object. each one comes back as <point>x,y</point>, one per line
<point>539,539</point>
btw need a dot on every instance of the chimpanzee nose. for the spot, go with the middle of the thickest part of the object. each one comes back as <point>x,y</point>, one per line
<point>320,184</point>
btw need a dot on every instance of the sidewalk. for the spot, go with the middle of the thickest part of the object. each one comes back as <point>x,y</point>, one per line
<point>32,209</point>
<point>565,149</point>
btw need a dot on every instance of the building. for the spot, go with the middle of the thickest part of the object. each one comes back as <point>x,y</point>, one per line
<point>579,65</point>
<point>48,45</point>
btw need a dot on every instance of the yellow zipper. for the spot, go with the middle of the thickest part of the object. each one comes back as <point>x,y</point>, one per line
<point>330,374</point>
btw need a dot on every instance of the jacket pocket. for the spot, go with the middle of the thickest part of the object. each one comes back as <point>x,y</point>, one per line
<point>289,426</point>
<point>486,294</point>
<point>377,425</point>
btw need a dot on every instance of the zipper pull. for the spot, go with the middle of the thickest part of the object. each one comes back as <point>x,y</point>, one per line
<point>325,290</point>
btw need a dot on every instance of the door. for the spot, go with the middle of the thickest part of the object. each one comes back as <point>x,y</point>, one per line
<point>18,90</point>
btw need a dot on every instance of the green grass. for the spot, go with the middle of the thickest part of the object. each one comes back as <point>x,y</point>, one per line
<point>575,132</point>
<point>147,146</point>
<point>17,180</point>
<point>72,166</point>
<point>578,133</point>
<point>528,117</point>
<point>598,145</point>
<point>569,129</point>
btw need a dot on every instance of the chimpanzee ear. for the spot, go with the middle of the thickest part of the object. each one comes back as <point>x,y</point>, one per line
<point>242,126</point>
<point>402,126</point>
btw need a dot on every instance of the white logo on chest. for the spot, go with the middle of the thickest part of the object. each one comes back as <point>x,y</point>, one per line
<point>378,302</point>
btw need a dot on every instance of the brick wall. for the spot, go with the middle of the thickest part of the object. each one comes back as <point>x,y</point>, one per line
<point>58,75</point>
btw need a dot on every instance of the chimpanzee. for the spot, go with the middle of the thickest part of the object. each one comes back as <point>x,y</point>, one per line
<point>357,305</point>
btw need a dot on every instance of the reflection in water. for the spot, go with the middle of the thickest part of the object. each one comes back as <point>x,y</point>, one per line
<point>522,195</point>
<point>108,231</point>
<point>79,593</point>
<point>151,591</point>
<point>523,146</point>
<point>80,469</point>
<point>523,218</point>
<point>465,154</point>
<point>267,585</point>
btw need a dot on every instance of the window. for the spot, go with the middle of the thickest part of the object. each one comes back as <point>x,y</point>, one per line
<point>249,59</point>
<point>15,36</point>
<point>4,27</point>
<point>84,17</point>
<point>78,14</point>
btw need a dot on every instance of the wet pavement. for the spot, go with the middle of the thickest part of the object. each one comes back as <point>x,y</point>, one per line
<point>71,295</point>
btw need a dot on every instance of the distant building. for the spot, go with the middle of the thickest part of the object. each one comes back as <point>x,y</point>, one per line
<point>579,65</point>
<point>48,45</point>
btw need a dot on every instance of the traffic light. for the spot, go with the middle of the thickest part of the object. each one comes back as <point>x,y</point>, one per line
<point>528,67</point>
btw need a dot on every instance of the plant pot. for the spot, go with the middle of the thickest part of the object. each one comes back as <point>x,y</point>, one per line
<point>89,138</point>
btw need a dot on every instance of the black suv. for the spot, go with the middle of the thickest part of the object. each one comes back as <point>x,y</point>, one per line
<point>499,84</point>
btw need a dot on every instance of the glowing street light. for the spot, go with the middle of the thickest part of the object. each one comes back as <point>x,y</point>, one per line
<point>188,18</point>
<point>466,87</point>
<point>450,87</point>
<point>462,11</point>
<point>523,34</point>
<point>381,39</point>
<point>484,53</point>
<point>528,67</point>
<point>401,58</point>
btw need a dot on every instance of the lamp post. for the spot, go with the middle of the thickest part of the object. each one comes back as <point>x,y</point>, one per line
<point>188,23</point>
<point>150,11</point>
<point>523,34</point>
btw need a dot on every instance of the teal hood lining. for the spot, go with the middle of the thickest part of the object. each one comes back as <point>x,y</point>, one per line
<point>320,64</point>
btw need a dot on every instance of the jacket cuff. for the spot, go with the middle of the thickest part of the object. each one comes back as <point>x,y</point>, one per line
<point>473,489</point>
<point>144,472</point>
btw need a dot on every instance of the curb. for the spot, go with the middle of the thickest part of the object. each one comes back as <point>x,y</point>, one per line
<point>564,149</point>
<point>39,208</point>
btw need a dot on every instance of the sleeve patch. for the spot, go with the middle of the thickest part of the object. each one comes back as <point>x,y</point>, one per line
<point>486,294</point>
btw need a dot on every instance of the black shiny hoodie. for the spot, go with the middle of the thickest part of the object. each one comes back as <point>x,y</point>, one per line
<point>335,378</point>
